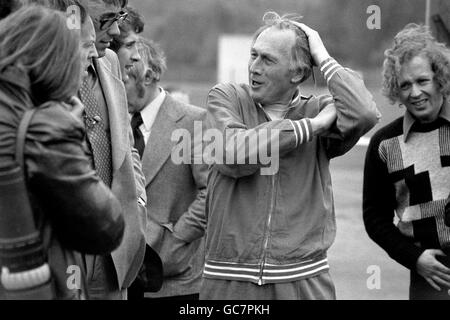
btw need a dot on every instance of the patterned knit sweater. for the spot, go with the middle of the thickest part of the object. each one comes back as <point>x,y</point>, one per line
<point>408,177</point>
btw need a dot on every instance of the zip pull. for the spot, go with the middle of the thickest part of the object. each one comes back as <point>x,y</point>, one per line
<point>260,282</point>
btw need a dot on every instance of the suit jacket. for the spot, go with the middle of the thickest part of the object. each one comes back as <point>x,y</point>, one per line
<point>176,198</point>
<point>127,179</point>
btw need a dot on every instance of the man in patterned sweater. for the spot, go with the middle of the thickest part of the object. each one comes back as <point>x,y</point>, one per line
<point>407,169</point>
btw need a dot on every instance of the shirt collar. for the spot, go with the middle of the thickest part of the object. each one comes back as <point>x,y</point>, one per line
<point>409,120</point>
<point>91,76</point>
<point>294,102</point>
<point>151,110</point>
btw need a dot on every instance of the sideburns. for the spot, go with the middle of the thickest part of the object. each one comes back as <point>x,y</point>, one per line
<point>140,88</point>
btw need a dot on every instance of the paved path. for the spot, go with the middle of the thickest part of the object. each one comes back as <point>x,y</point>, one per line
<point>353,254</point>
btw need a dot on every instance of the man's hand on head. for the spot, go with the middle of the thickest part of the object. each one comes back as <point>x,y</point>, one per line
<point>318,50</point>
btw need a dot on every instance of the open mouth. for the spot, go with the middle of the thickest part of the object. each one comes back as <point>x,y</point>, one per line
<point>255,83</point>
<point>419,103</point>
<point>106,43</point>
<point>128,67</point>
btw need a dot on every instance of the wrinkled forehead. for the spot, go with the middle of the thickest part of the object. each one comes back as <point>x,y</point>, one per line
<point>131,36</point>
<point>274,39</point>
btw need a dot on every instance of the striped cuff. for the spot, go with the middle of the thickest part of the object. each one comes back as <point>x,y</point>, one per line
<point>329,67</point>
<point>302,130</point>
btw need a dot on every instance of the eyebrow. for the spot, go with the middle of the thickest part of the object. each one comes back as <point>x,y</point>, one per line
<point>419,77</point>
<point>264,54</point>
<point>269,56</point>
<point>107,15</point>
<point>88,43</point>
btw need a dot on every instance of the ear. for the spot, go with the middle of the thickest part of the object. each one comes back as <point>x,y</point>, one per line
<point>297,76</point>
<point>149,76</point>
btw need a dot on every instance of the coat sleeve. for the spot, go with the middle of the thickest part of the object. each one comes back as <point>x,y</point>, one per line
<point>241,147</point>
<point>139,177</point>
<point>85,214</point>
<point>192,223</point>
<point>356,110</point>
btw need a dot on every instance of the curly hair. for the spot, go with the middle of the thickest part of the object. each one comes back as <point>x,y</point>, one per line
<point>133,23</point>
<point>37,40</point>
<point>302,60</point>
<point>414,40</point>
<point>153,57</point>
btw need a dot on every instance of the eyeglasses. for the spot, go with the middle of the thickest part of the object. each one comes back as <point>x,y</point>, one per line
<point>107,20</point>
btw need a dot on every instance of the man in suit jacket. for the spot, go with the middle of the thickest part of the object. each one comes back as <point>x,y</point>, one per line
<point>175,192</point>
<point>116,161</point>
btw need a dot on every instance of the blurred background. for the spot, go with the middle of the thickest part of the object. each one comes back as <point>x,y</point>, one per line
<point>188,30</point>
<point>206,41</point>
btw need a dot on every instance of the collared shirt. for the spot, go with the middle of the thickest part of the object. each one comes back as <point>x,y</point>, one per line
<point>409,120</point>
<point>149,114</point>
<point>278,113</point>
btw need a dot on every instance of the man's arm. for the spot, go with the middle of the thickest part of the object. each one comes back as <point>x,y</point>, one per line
<point>356,110</point>
<point>192,223</point>
<point>86,215</point>
<point>378,213</point>
<point>242,146</point>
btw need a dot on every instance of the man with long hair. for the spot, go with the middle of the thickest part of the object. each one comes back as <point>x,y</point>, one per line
<point>72,208</point>
<point>407,172</point>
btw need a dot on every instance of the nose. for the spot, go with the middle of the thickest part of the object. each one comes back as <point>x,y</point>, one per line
<point>415,90</point>
<point>135,56</point>
<point>255,66</point>
<point>93,53</point>
<point>114,30</point>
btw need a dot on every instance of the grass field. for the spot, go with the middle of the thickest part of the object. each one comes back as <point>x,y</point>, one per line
<point>353,257</point>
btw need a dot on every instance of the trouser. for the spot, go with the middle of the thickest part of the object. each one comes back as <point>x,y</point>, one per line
<point>103,283</point>
<point>320,287</point>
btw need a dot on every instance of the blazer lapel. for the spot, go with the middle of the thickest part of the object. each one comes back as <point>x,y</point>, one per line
<point>114,93</point>
<point>159,145</point>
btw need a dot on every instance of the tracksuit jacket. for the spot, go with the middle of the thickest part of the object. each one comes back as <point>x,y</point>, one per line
<point>272,228</point>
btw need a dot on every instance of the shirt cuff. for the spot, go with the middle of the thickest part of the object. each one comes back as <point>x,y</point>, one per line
<point>329,67</point>
<point>302,130</point>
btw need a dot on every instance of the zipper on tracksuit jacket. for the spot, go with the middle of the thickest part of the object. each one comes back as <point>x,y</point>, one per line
<point>267,234</point>
<point>269,218</point>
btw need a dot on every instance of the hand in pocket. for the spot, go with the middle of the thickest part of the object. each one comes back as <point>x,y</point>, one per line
<point>175,254</point>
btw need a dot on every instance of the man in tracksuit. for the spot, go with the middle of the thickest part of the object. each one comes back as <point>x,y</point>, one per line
<point>269,230</point>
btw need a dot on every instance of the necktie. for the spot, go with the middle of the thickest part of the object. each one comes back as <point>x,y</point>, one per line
<point>98,137</point>
<point>139,142</point>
